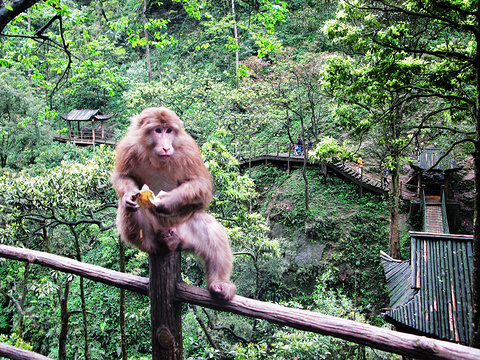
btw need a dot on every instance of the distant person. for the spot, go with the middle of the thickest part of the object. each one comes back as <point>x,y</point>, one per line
<point>360,165</point>
<point>237,146</point>
<point>385,174</point>
<point>309,145</point>
<point>297,150</point>
<point>299,145</point>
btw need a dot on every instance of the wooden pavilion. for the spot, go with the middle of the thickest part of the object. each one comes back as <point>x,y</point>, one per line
<point>432,174</point>
<point>91,133</point>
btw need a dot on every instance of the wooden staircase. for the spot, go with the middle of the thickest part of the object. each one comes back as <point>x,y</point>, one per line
<point>365,179</point>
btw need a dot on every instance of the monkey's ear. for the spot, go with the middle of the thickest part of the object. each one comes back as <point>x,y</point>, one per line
<point>139,121</point>
<point>134,121</point>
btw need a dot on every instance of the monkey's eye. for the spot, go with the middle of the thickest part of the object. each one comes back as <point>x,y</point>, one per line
<point>158,130</point>
<point>168,130</point>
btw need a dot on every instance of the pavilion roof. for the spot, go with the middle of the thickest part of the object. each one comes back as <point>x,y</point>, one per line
<point>85,115</point>
<point>429,157</point>
<point>431,293</point>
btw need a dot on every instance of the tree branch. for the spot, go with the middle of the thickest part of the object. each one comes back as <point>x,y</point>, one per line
<point>18,7</point>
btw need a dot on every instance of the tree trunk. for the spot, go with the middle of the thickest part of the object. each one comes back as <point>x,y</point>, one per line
<point>235,34</point>
<point>475,329</point>
<point>304,174</point>
<point>64,317</point>
<point>147,48</point>
<point>394,248</point>
<point>82,295</point>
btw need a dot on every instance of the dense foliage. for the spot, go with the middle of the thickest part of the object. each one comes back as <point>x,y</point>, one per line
<point>348,76</point>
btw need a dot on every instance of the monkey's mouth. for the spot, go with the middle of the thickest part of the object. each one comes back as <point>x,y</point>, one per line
<point>163,157</point>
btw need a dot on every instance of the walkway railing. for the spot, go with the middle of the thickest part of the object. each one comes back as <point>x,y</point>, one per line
<point>282,152</point>
<point>446,228</point>
<point>424,208</point>
<point>85,138</point>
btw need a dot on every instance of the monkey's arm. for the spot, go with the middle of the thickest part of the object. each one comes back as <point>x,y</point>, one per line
<point>190,196</point>
<point>127,190</point>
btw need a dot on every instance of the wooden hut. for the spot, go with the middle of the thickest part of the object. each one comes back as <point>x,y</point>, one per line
<point>432,174</point>
<point>89,128</point>
<point>431,293</point>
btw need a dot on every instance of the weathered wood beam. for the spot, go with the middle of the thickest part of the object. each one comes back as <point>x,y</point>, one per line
<point>93,272</point>
<point>15,353</point>
<point>369,335</point>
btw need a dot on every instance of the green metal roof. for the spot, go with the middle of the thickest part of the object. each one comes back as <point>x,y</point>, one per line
<point>429,157</point>
<point>431,294</point>
<point>84,115</point>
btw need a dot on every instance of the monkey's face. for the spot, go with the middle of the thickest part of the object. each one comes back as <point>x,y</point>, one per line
<point>162,139</point>
<point>160,131</point>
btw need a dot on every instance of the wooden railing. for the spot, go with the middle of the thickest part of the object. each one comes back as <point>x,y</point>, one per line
<point>255,150</point>
<point>167,292</point>
<point>247,155</point>
<point>424,208</point>
<point>85,138</point>
<point>446,228</point>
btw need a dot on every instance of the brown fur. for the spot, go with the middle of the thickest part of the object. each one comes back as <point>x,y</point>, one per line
<point>158,152</point>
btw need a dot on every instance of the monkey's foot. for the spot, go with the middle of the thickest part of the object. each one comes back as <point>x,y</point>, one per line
<point>222,290</point>
<point>166,241</point>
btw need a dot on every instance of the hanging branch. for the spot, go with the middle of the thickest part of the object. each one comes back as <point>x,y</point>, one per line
<point>204,327</point>
<point>39,36</point>
<point>15,9</point>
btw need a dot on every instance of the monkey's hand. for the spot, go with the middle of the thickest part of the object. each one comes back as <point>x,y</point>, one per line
<point>163,204</point>
<point>167,203</point>
<point>130,201</point>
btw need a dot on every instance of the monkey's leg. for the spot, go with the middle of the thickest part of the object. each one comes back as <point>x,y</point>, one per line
<point>208,240</point>
<point>140,229</point>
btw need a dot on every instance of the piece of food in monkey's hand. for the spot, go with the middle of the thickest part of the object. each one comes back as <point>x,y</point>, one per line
<point>146,199</point>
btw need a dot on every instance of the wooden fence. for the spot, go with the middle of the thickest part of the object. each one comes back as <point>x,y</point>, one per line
<point>167,292</point>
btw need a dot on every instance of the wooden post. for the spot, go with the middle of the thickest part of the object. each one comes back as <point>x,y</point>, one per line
<point>266,155</point>
<point>446,185</point>
<point>93,132</point>
<point>250,160</point>
<point>419,184</point>
<point>69,130</point>
<point>288,161</point>
<point>166,319</point>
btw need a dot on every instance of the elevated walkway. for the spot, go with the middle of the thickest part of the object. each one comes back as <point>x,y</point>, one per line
<point>367,181</point>
<point>433,215</point>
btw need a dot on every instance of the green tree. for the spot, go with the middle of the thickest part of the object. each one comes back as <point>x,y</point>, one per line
<point>373,100</point>
<point>56,211</point>
<point>21,131</point>
<point>329,150</point>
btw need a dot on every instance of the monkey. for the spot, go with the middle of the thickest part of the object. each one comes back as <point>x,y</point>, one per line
<point>156,151</point>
